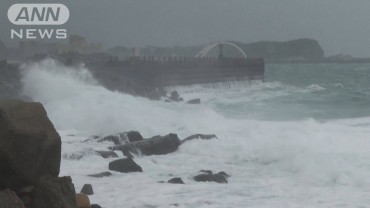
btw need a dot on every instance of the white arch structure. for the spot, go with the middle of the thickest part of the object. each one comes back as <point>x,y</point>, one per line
<point>208,48</point>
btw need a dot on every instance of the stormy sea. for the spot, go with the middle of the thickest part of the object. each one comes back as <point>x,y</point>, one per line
<point>299,139</point>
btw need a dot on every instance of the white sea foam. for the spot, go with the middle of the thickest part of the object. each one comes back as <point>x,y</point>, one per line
<point>302,163</point>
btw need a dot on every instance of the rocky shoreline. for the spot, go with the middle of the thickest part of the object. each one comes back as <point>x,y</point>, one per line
<point>30,155</point>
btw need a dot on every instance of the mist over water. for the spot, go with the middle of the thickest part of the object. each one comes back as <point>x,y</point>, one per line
<point>298,140</point>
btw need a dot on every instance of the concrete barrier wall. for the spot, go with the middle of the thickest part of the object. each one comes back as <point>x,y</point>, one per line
<point>168,71</point>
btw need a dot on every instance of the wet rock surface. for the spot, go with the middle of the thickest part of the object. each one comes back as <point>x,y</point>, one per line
<point>125,166</point>
<point>30,154</point>
<point>54,192</point>
<point>157,145</point>
<point>176,181</point>
<point>87,189</point>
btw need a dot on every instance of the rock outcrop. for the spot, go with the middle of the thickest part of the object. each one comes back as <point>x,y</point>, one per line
<point>295,50</point>
<point>157,145</point>
<point>30,153</point>
<point>174,96</point>
<point>54,192</point>
<point>176,181</point>
<point>30,147</point>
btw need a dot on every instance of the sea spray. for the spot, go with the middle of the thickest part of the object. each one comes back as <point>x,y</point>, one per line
<point>273,161</point>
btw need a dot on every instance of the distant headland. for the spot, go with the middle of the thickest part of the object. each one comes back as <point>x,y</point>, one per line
<point>302,50</point>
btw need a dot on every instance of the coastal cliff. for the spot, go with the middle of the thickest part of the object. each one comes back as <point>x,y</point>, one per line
<point>289,51</point>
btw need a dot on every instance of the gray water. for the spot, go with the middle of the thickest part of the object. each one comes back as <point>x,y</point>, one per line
<point>301,91</point>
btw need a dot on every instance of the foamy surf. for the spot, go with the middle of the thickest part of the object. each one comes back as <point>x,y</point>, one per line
<point>296,162</point>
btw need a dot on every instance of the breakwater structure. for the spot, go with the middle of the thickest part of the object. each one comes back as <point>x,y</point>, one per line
<point>172,71</point>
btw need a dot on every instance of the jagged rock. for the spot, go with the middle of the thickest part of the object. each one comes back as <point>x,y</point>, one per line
<point>121,138</point>
<point>95,206</point>
<point>8,199</point>
<point>125,166</point>
<point>158,145</point>
<point>87,189</point>
<point>174,96</point>
<point>30,147</point>
<point>194,101</point>
<point>176,181</point>
<point>220,177</point>
<point>107,154</point>
<point>82,201</point>
<point>54,192</point>
<point>199,136</point>
<point>224,174</point>
<point>134,136</point>
<point>101,175</point>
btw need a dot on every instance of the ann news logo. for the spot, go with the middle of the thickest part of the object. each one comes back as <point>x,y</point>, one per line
<point>38,15</point>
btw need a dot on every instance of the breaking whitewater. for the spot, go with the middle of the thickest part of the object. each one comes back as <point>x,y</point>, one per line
<point>301,139</point>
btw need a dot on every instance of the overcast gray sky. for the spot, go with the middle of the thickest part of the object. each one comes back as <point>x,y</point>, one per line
<point>341,26</point>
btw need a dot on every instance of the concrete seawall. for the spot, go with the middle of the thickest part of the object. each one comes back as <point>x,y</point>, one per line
<point>169,71</point>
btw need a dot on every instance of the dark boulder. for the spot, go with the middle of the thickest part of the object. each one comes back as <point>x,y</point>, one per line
<point>30,147</point>
<point>87,189</point>
<point>220,177</point>
<point>176,181</point>
<point>54,192</point>
<point>194,101</point>
<point>107,154</point>
<point>101,175</point>
<point>199,136</point>
<point>95,206</point>
<point>121,138</point>
<point>8,199</point>
<point>125,166</point>
<point>158,145</point>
